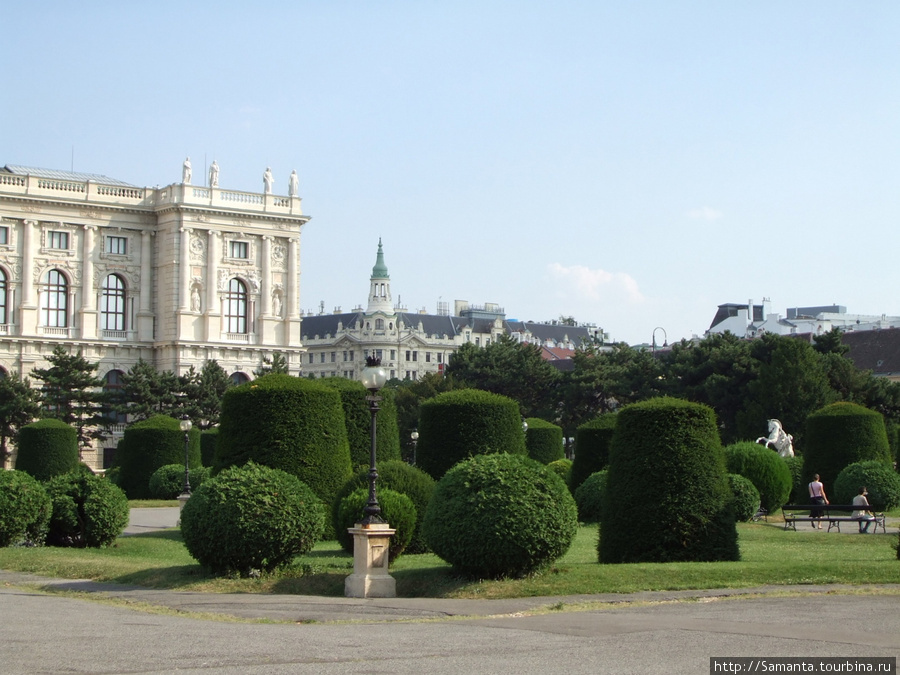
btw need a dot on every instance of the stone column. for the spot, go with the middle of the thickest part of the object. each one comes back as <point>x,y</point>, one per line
<point>292,294</point>
<point>184,272</point>
<point>265,289</point>
<point>212,266</point>
<point>28,299</point>
<point>88,312</point>
<point>145,315</point>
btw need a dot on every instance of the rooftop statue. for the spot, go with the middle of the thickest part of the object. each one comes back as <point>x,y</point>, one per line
<point>293,185</point>
<point>186,171</point>
<point>778,440</point>
<point>267,181</point>
<point>214,174</point>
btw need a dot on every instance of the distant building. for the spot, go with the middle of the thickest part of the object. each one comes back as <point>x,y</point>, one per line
<point>412,344</point>
<point>752,320</point>
<point>175,275</point>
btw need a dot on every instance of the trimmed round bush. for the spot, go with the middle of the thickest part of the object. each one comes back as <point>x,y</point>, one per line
<point>47,448</point>
<point>562,468</point>
<point>399,477</point>
<point>208,439</point>
<point>167,482</point>
<point>149,444</point>
<point>396,509</point>
<point>358,419</point>
<point>459,424</point>
<point>589,497</point>
<point>763,467</point>
<point>746,497</point>
<point>799,492</point>
<point>882,482</point>
<point>500,515</point>
<point>592,441</point>
<point>88,510</point>
<point>544,441</point>
<point>251,518</point>
<point>288,423</point>
<point>666,460</point>
<point>24,509</point>
<point>841,434</point>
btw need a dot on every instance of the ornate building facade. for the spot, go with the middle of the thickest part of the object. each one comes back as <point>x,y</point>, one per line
<point>175,275</point>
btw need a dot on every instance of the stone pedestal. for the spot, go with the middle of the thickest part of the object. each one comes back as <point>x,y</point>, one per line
<point>370,578</point>
<point>182,500</point>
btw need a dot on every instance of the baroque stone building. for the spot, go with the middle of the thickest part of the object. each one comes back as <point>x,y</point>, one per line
<point>175,275</point>
<point>412,344</point>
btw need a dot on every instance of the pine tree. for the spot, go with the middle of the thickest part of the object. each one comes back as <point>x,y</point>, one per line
<point>146,392</point>
<point>71,392</point>
<point>211,386</point>
<point>277,364</point>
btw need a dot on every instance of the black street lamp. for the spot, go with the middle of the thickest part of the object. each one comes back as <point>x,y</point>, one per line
<point>414,437</point>
<point>373,379</point>
<point>186,428</point>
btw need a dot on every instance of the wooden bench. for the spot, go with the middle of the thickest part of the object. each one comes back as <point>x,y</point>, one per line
<point>833,514</point>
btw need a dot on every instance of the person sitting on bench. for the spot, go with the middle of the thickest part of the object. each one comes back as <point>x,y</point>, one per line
<point>863,515</point>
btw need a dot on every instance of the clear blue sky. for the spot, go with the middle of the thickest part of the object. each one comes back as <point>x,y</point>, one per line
<point>632,164</point>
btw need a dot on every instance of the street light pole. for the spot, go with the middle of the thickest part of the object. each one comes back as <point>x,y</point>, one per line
<point>373,379</point>
<point>186,428</point>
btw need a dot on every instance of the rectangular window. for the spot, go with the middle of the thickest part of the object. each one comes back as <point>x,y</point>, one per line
<point>345,356</point>
<point>393,354</point>
<point>351,355</point>
<point>427,357</point>
<point>4,236</point>
<point>116,245</point>
<point>322,357</point>
<point>378,353</point>
<point>59,240</point>
<point>333,357</point>
<point>408,355</point>
<point>239,249</point>
<point>440,357</point>
<point>311,358</point>
<point>415,356</point>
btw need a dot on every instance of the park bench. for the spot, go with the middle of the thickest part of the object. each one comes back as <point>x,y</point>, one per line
<point>833,514</point>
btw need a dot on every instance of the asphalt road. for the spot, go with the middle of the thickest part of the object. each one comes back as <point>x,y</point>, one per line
<point>46,633</point>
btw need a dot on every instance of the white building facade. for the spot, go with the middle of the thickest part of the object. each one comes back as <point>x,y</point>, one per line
<point>176,275</point>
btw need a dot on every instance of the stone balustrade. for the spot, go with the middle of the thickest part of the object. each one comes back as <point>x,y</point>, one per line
<point>150,198</point>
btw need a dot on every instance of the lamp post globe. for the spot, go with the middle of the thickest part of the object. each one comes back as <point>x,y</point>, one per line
<point>374,378</point>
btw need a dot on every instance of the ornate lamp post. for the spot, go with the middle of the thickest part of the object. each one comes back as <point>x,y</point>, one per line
<point>373,379</point>
<point>414,436</point>
<point>186,428</point>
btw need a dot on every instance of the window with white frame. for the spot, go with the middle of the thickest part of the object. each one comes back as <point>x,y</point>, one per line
<point>4,235</point>
<point>236,307</point>
<point>3,295</point>
<point>112,303</point>
<point>117,245</point>
<point>58,240</point>
<point>55,300</point>
<point>239,249</point>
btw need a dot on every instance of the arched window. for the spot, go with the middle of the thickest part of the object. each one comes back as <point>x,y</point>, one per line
<point>3,289</point>
<point>55,300</point>
<point>112,303</point>
<point>379,324</point>
<point>112,387</point>
<point>239,378</point>
<point>236,307</point>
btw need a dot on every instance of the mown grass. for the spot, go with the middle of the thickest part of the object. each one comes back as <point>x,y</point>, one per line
<point>769,555</point>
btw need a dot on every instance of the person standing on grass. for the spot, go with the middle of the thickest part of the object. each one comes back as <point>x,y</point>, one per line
<point>863,515</point>
<point>817,497</point>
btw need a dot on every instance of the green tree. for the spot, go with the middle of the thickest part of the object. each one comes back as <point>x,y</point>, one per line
<point>509,368</point>
<point>147,392</point>
<point>277,364</point>
<point>18,407</point>
<point>71,392</point>
<point>203,393</point>
<point>408,396</point>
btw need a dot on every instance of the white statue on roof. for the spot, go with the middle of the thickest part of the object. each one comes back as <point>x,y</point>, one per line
<point>293,185</point>
<point>267,181</point>
<point>778,440</point>
<point>186,171</point>
<point>214,174</point>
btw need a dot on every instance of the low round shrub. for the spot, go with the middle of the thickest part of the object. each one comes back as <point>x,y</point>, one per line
<point>763,467</point>
<point>251,517</point>
<point>500,515</point>
<point>396,509</point>
<point>47,448</point>
<point>562,468</point>
<point>544,441</point>
<point>882,482</point>
<point>589,497</point>
<point>24,509</point>
<point>167,482</point>
<point>88,510</point>
<point>399,477</point>
<point>746,497</point>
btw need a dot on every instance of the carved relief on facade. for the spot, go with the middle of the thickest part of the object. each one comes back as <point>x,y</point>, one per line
<point>92,214</point>
<point>130,273</point>
<point>71,270</point>
<point>279,256</point>
<point>198,249</point>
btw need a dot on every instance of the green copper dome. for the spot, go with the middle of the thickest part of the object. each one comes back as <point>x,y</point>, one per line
<point>380,270</point>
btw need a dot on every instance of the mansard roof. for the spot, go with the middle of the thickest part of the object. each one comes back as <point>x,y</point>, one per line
<point>54,174</point>
<point>875,350</point>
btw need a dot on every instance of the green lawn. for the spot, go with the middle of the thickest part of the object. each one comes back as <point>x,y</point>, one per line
<point>769,556</point>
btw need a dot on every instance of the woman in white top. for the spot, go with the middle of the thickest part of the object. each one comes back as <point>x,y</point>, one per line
<point>863,515</point>
<point>817,496</point>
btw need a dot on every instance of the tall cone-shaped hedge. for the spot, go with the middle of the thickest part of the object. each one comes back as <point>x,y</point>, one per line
<point>839,435</point>
<point>592,441</point>
<point>667,495</point>
<point>459,424</point>
<point>148,445</point>
<point>358,418</point>
<point>288,423</point>
<point>47,448</point>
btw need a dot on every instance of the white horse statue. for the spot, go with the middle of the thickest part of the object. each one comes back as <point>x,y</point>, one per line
<point>779,441</point>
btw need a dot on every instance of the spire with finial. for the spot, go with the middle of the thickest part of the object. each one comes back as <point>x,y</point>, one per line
<point>380,288</point>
